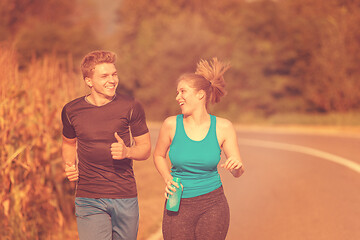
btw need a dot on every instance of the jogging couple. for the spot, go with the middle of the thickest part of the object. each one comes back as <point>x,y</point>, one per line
<point>104,132</point>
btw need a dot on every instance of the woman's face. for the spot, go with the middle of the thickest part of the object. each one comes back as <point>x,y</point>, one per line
<point>187,97</point>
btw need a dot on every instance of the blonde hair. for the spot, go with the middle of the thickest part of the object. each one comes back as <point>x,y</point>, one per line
<point>209,78</point>
<point>94,58</point>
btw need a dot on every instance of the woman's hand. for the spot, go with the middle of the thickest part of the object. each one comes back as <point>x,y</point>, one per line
<point>170,188</point>
<point>234,165</point>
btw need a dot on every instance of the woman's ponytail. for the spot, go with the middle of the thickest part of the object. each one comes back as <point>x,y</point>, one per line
<point>213,72</point>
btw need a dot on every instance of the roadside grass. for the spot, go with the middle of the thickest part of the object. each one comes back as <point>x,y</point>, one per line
<point>330,119</point>
<point>302,119</point>
<point>331,123</point>
<point>35,197</point>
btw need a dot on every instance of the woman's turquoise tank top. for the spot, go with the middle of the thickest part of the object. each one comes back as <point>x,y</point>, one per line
<point>195,162</point>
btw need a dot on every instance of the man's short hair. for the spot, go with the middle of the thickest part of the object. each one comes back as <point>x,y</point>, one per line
<point>94,58</point>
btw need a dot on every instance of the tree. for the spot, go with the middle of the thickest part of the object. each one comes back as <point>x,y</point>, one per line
<point>38,28</point>
<point>287,56</point>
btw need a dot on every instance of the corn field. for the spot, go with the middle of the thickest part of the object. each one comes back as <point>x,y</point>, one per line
<point>36,198</point>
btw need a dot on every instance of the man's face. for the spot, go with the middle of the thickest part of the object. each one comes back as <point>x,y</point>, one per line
<point>104,81</point>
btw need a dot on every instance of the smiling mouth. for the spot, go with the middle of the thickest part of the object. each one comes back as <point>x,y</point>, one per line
<point>110,87</point>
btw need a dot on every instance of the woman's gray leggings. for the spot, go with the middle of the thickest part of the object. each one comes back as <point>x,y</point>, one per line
<point>203,217</point>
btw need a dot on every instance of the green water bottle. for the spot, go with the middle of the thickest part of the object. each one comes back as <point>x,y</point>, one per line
<point>173,203</point>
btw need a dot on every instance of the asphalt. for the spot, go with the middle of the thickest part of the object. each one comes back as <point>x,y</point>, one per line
<point>294,189</point>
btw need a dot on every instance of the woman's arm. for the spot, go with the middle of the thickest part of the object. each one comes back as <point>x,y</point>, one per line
<point>231,148</point>
<point>167,131</point>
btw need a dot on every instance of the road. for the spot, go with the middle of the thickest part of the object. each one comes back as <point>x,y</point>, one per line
<point>296,186</point>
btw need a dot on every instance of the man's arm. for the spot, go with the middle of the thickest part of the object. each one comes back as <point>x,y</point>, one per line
<point>140,151</point>
<point>69,158</point>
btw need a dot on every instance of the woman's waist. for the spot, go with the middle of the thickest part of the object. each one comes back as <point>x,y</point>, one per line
<point>214,193</point>
<point>195,177</point>
<point>198,186</point>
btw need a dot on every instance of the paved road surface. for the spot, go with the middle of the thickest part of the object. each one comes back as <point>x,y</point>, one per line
<point>296,187</point>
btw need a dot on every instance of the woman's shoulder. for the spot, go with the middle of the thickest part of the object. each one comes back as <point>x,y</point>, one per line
<point>170,122</point>
<point>224,129</point>
<point>223,123</point>
<point>168,127</point>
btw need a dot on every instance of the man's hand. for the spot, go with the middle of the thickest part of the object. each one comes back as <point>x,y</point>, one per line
<point>71,171</point>
<point>118,149</point>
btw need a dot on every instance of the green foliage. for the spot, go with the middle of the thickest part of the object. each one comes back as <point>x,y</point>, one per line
<point>327,46</point>
<point>38,28</point>
<point>287,56</point>
<point>48,38</point>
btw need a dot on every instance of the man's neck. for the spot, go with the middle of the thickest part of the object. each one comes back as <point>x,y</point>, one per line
<point>97,101</point>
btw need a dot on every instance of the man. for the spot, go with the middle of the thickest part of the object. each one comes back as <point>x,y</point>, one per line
<point>97,131</point>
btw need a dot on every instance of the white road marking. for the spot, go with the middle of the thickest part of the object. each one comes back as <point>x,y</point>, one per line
<point>301,149</point>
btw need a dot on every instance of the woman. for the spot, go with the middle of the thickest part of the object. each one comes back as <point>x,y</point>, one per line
<point>195,140</point>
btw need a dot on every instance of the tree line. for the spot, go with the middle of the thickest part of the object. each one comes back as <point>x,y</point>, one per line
<point>286,55</point>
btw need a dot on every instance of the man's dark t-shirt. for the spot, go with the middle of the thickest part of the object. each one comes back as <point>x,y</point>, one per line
<point>101,176</point>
